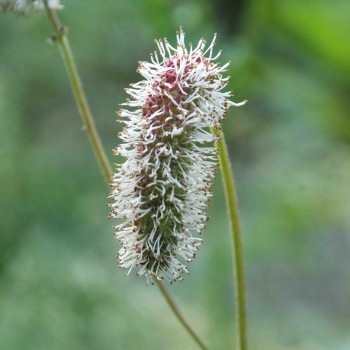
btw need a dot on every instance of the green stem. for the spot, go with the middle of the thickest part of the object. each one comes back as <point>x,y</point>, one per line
<point>68,58</point>
<point>79,94</point>
<point>178,315</point>
<point>233,212</point>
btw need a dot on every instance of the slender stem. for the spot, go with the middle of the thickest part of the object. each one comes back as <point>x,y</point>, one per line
<point>179,316</point>
<point>78,91</point>
<point>233,212</point>
<point>68,58</point>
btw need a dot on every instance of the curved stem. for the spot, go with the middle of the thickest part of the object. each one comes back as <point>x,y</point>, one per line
<point>233,212</point>
<point>96,143</point>
<point>179,316</point>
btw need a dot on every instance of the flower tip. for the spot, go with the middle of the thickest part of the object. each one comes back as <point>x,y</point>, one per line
<point>230,103</point>
<point>180,31</point>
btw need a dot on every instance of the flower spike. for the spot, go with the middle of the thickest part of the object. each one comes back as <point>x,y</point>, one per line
<point>162,190</point>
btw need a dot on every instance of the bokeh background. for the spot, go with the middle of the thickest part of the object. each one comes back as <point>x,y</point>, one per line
<point>290,148</point>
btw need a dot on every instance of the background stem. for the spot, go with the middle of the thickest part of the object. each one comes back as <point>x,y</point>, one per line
<point>233,213</point>
<point>78,91</point>
<point>95,140</point>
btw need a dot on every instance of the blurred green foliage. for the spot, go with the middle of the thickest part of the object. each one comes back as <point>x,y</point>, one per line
<point>290,146</point>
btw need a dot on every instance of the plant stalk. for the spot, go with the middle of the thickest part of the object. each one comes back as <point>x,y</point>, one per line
<point>67,55</point>
<point>179,316</point>
<point>235,226</point>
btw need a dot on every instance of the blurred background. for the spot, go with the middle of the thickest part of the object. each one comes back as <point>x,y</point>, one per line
<point>60,287</point>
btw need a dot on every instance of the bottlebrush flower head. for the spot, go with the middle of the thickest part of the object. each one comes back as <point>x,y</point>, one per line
<point>22,7</point>
<point>162,190</point>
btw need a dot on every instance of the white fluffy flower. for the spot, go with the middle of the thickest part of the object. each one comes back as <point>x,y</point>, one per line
<point>23,7</point>
<point>162,191</point>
